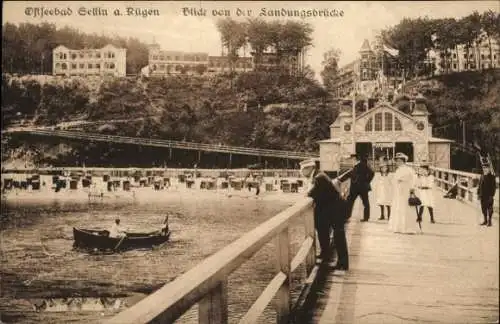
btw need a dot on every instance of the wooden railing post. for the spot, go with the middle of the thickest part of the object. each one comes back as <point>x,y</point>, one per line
<point>310,232</point>
<point>283,265</point>
<point>213,307</point>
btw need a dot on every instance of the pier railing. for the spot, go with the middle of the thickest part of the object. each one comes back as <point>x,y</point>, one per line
<point>466,182</point>
<point>168,172</point>
<point>207,283</point>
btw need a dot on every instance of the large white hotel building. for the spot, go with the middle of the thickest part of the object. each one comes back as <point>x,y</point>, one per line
<point>109,60</point>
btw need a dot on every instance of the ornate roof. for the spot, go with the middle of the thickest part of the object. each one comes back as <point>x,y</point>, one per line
<point>365,47</point>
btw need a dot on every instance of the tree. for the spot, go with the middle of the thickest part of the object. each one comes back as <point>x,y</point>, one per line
<point>491,26</point>
<point>330,67</point>
<point>257,37</point>
<point>473,31</point>
<point>413,39</point>
<point>233,37</point>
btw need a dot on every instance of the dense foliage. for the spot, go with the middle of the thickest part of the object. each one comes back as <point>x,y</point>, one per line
<point>415,38</point>
<point>285,39</point>
<point>223,109</point>
<point>28,47</point>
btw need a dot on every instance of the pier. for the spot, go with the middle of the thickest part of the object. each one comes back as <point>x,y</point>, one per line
<point>449,274</point>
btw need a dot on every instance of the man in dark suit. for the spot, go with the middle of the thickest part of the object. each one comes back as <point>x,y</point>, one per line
<point>329,211</point>
<point>486,191</point>
<point>361,176</point>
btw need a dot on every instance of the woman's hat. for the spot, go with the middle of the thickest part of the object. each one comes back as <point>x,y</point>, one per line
<point>401,156</point>
<point>307,164</point>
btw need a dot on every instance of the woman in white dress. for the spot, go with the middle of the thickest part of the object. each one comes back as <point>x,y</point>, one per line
<point>425,193</point>
<point>405,180</point>
<point>383,191</point>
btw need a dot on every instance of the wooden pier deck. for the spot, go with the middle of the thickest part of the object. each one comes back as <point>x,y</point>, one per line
<point>448,274</point>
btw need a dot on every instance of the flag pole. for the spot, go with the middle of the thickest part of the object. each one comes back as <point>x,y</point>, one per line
<point>354,117</point>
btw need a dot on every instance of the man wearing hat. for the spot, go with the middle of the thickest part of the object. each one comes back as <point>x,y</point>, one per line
<point>361,176</point>
<point>486,191</point>
<point>329,211</point>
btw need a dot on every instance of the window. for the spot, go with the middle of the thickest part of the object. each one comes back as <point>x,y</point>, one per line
<point>378,122</point>
<point>161,67</point>
<point>397,124</point>
<point>90,66</point>
<point>81,55</point>
<point>155,57</point>
<point>169,58</point>
<point>454,55</point>
<point>162,58</point>
<point>98,66</point>
<point>465,56</point>
<point>112,65</point>
<point>369,126</point>
<point>73,66</point>
<point>73,56</point>
<point>482,56</point>
<point>90,55</point>
<point>454,66</point>
<point>82,66</point>
<point>98,55</point>
<point>388,121</point>
<point>64,66</point>
<point>177,58</point>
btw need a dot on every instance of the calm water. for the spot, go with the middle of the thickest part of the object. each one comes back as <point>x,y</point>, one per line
<point>38,261</point>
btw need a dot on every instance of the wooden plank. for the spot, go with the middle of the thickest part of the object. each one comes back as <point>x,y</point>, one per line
<point>302,254</point>
<point>213,307</point>
<point>283,264</point>
<point>264,299</point>
<point>437,281</point>
<point>310,233</point>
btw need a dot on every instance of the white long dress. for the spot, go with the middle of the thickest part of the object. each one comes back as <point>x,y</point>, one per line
<point>383,189</point>
<point>403,217</point>
<point>426,195</point>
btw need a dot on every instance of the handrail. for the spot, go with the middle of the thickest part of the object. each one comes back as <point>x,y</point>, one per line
<point>466,182</point>
<point>99,171</point>
<point>206,283</point>
<point>174,144</point>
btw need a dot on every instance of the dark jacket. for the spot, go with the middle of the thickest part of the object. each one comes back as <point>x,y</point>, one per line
<point>329,206</point>
<point>487,186</point>
<point>361,176</point>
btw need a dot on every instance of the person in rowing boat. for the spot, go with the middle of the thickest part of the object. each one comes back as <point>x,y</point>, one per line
<point>117,231</point>
<point>164,228</point>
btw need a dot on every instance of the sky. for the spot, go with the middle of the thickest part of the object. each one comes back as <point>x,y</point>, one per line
<point>173,30</point>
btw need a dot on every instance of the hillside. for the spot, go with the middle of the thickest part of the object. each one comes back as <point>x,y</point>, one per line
<point>211,110</point>
<point>208,109</point>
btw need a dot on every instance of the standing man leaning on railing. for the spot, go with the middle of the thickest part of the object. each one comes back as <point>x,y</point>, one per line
<point>329,211</point>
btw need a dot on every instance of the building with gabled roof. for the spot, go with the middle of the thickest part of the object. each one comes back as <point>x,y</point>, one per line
<point>383,131</point>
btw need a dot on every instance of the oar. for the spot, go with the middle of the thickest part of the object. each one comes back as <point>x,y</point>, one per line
<point>120,242</point>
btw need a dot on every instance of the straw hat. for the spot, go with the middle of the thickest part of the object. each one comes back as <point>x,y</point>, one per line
<point>307,164</point>
<point>401,156</point>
